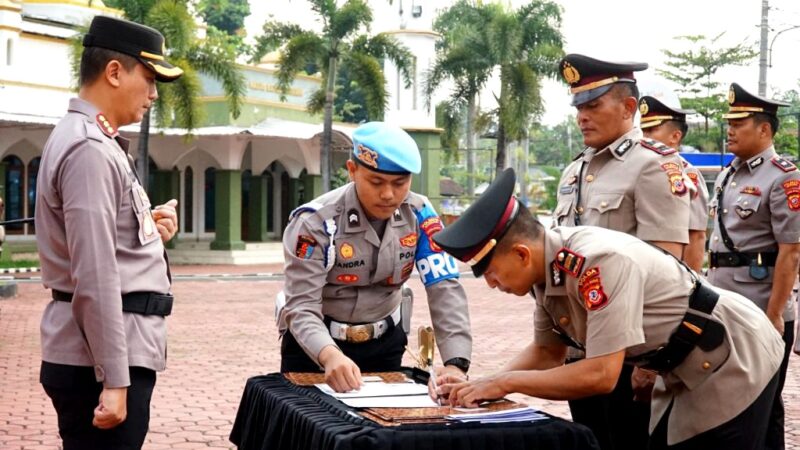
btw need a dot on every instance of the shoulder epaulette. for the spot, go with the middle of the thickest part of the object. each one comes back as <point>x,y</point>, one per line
<point>569,261</point>
<point>92,132</point>
<point>783,164</point>
<point>656,146</point>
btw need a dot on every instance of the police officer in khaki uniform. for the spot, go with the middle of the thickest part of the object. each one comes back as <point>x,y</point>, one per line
<point>347,255</point>
<point>668,126</point>
<point>622,301</point>
<point>755,247</point>
<point>626,183</point>
<point>100,245</point>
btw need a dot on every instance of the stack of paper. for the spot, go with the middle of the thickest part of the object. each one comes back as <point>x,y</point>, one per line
<point>526,414</point>
<point>384,395</point>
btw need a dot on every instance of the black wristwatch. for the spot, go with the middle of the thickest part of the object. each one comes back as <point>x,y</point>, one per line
<point>461,363</point>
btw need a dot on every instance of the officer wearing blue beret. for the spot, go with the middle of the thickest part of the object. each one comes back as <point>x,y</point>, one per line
<point>347,255</point>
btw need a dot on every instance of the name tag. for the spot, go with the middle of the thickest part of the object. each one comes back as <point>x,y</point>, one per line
<point>566,189</point>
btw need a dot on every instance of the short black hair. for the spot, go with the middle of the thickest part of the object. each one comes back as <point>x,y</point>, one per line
<point>681,126</point>
<point>622,90</point>
<point>525,227</point>
<point>773,121</point>
<point>95,59</point>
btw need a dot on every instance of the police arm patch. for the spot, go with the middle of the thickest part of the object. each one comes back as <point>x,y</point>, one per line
<point>591,290</point>
<point>792,190</point>
<point>675,177</point>
<point>305,246</point>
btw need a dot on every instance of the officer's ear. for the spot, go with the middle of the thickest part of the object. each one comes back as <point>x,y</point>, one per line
<point>631,105</point>
<point>523,252</point>
<point>113,72</point>
<point>351,169</point>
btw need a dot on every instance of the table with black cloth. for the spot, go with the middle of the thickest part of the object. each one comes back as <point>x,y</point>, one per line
<point>276,414</point>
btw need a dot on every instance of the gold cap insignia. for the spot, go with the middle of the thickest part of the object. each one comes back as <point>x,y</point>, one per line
<point>643,108</point>
<point>367,156</point>
<point>731,96</point>
<point>570,73</point>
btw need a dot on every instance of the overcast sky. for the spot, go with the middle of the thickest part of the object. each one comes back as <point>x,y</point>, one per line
<point>626,30</point>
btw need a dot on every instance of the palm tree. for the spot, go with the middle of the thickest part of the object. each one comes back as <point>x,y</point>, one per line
<point>340,44</point>
<point>526,44</point>
<point>463,56</point>
<point>178,104</point>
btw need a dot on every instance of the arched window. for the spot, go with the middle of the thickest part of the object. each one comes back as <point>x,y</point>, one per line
<point>15,194</point>
<point>33,175</point>
<point>188,197</point>
<point>210,197</point>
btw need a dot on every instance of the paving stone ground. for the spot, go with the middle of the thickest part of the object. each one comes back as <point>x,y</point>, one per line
<point>221,333</point>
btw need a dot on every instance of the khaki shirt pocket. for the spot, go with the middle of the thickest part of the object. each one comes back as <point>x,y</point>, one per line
<point>148,233</point>
<point>746,206</point>
<point>562,212</point>
<point>608,210</point>
<point>700,364</point>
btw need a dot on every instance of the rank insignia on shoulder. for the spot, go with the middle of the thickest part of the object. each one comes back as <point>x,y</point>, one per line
<point>105,125</point>
<point>656,146</point>
<point>569,261</point>
<point>792,190</point>
<point>591,289</point>
<point>623,147</point>
<point>305,246</point>
<point>783,164</point>
<point>675,176</point>
<point>752,190</point>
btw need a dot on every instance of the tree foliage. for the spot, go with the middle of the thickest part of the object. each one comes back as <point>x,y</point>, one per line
<point>224,15</point>
<point>695,71</point>
<point>343,43</point>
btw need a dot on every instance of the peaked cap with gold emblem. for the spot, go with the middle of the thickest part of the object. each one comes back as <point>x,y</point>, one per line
<point>743,104</point>
<point>589,78</point>
<point>473,237</point>
<point>654,112</point>
<point>141,42</point>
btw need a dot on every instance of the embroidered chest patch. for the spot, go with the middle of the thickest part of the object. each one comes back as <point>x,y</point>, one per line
<point>792,190</point>
<point>675,177</point>
<point>591,289</point>
<point>409,240</point>
<point>752,190</point>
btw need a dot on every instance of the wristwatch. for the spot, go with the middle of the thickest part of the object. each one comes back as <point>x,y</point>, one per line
<point>461,363</point>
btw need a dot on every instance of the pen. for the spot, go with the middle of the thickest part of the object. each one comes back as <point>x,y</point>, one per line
<point>433,381</point>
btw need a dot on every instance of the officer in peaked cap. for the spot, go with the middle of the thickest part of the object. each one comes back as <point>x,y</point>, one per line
<point>668,126</point>
<point>141,42</point>
<point>624,182</point>
<point>755,246</point>
<point>620,300</point>
<point>347,255</point>
<point>100,243</point>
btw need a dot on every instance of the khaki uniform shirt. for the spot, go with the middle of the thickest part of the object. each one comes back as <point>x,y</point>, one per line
<point>628,295</point>
<point>97,239</point>
<point>629,188</point>
<point>698,204</point>
<point>761,209</point>
<point>356,276</point>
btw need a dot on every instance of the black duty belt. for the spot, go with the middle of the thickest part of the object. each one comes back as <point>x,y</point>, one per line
<point>144,303</point>
<point>739,259</point>
<point>694,331</point>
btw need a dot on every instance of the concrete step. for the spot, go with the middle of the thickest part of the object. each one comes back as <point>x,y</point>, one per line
<point>254,253</point>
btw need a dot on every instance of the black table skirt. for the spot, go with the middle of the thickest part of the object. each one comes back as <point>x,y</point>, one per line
<point>276,414</point>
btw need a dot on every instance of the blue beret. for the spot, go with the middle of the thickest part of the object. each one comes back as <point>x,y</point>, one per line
<point>385,148</point>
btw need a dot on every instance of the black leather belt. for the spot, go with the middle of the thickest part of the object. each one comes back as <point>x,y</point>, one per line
<point>740,259</point>
<point>144,303</point>
<point>694,331</point>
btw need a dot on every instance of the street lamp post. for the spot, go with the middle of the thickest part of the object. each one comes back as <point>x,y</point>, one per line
<point>776,37</point>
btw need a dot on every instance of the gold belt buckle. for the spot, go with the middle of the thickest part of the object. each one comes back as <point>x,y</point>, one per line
<point>359,333</point>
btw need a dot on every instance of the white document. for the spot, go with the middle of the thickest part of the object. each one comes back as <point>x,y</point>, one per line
<point>378,390</point>
<point>404,401</point>
<point>525,414</point>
